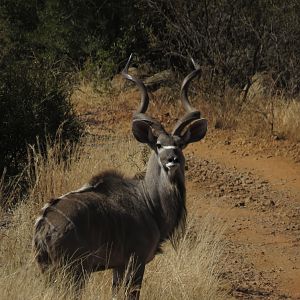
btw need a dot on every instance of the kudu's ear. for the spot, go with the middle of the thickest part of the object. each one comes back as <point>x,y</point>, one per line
<point>142,131</point>
<point>195,132</point>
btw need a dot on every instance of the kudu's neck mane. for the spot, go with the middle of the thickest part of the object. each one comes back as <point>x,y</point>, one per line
<point>167,197</point>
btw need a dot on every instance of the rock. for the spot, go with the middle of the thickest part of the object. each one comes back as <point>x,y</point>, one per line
<point>272,203</point>
<point>145,70</point>
<point>241,204</point>
<point>154,82</point>
<point>260,84</point>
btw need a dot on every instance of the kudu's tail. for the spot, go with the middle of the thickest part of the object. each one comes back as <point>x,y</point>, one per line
<point>40,247</point>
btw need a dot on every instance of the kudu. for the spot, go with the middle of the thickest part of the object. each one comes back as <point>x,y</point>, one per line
<point>113,218</point>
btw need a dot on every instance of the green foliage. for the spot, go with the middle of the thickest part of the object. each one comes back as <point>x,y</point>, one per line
<point>34,92</point>
<point>34,105</point>
<point>42,42</point>
<point>75,31</point>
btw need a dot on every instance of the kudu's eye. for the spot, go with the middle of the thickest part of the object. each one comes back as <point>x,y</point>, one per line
<point>158,145</point>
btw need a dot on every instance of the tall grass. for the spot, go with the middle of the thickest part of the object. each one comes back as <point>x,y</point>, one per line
<point>191,272</point>
<point>258,115</point>
<point>287,115</point>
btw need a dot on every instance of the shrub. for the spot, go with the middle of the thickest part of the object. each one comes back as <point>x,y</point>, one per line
<point>34,105</point>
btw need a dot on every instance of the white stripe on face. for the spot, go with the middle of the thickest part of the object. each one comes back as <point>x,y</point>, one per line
<point>170,147</point>
<point>170,165</point>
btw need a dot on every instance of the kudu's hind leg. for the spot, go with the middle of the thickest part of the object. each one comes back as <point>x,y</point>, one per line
<point>131,278</point>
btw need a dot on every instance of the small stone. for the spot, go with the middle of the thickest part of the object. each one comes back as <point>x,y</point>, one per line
<point>241,204</point>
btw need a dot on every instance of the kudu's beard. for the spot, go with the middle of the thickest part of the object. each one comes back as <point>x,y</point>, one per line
<point>172,172</point>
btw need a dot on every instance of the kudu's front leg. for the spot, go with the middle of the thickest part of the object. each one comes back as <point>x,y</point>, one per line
<point>130,278</point>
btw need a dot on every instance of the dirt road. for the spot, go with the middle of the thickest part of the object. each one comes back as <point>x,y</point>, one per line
<point>257,194</point>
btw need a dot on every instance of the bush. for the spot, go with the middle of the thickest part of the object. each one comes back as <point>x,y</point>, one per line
<point>233,40</point>
<point>34,105</point>
<point>80,33</point>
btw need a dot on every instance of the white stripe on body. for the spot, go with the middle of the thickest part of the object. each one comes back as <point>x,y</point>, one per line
<point>80,202</point>
<point>48,222</point>
<point>63,214</point>
<point>84,188</point>
<point>46,206</point>
<point>40,218</point>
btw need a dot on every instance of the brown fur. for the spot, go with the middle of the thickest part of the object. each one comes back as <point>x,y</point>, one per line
<point>118,222</point>
<point>117,208</point>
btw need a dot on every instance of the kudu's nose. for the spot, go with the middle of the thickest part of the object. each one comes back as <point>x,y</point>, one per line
<point>173,159</point>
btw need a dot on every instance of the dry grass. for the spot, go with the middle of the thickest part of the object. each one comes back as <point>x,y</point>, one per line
<point>258,115</point>
<point>287,119</point>
<point>86,97</point>
<point>191,272</point>
<point>271,116</point>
